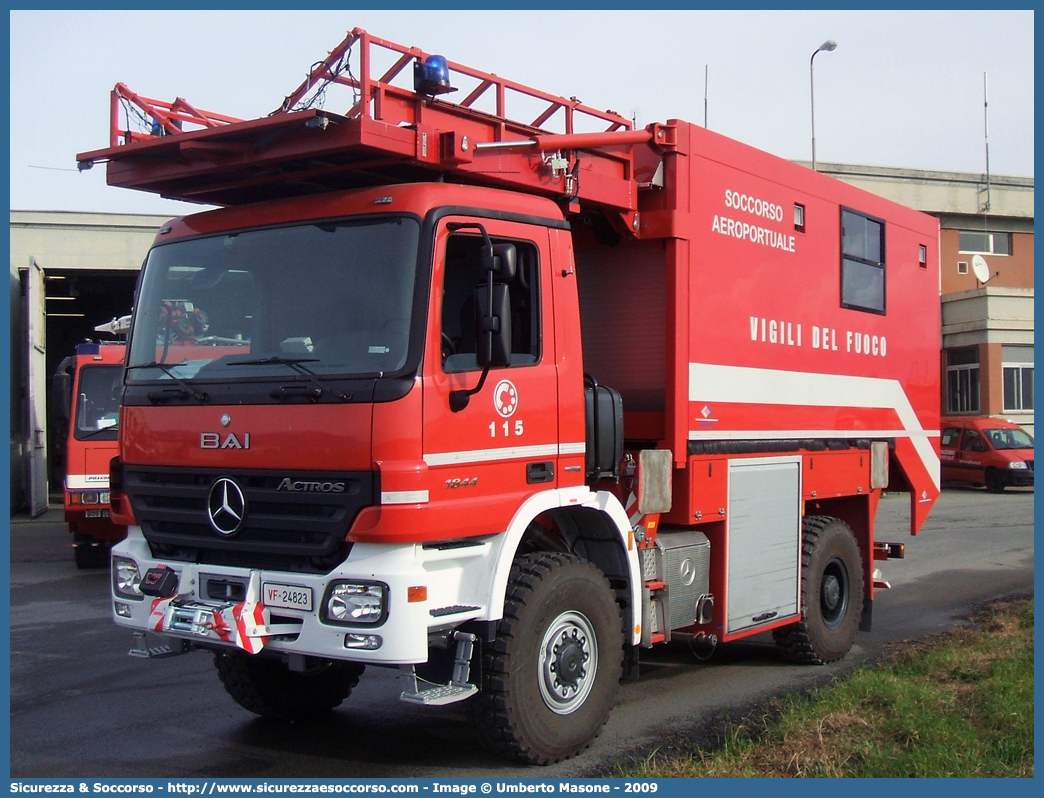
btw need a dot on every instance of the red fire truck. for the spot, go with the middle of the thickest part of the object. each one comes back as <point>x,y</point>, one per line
<point>86,391</point>
<point>501,403</point>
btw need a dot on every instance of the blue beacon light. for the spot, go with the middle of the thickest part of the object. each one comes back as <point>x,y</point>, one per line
<point>431,77</point>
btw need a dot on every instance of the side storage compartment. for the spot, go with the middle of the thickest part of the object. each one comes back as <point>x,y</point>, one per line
<point>764,542</point>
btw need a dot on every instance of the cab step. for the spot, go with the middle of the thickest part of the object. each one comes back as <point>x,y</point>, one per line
<point>440,694</point>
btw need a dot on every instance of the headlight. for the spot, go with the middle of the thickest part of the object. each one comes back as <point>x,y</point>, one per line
<point>89,497</point>
<point>364,642</point>
<point>1018,465</point>
<point>354,603</point>
<point>126,581</point>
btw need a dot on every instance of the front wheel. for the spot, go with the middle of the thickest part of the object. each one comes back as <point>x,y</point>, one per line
<point>267,687</point>
<point>831,594</point>
<point>995,482</point>
<point>551,675</point>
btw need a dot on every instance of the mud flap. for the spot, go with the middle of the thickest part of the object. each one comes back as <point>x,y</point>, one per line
<point>867,618</point>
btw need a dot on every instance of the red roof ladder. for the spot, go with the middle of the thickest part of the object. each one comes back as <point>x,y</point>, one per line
<point>390,133</point>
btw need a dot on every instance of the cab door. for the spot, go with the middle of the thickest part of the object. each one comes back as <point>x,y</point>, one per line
<point>486,458</point>
<point>948,447</point>
<point>972,455</point>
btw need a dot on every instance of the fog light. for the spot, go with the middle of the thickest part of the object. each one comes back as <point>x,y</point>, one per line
<point>365,642</point>
<point>123,610</point>
<point>126,581</point>
<point>353,603</point>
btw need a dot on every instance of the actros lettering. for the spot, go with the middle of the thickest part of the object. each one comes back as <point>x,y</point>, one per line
<point>310,486</point>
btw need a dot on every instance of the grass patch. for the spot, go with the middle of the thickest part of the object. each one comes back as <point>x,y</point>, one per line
<point>960,705</point>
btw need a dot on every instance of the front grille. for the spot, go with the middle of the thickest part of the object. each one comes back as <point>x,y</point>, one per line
<point>295,530</point>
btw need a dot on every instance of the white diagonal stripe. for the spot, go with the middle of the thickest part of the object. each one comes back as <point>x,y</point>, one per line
<point>743,385</point>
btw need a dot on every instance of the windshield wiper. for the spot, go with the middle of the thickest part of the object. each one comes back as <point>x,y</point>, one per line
<point>199,396</point>
<point>83,435</point>
<point>294,363</point>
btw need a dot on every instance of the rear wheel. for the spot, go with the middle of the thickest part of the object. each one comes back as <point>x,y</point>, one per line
<point>550,677</point>
<point>995,482</point>
<point>267,687</point>
<point>831,594</point>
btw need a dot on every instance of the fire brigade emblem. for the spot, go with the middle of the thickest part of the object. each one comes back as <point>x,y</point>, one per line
<point>226,506</point>
<point>505,398</point>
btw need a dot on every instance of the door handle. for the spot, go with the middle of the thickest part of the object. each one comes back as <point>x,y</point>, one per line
<point>537,473</point>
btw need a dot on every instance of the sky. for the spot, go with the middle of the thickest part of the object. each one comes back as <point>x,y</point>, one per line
<point>903,88</point>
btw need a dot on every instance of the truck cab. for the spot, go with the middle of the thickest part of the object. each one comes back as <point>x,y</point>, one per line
<point>87,389</point>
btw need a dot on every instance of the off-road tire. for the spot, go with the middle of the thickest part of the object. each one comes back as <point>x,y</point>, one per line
<point>995,482</point>
<point>831,594</point>
<point>267,687</point>
<point>560,617</point>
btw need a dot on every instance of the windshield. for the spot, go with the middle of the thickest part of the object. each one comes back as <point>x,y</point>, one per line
<point>97,409</point>
<point>336,297</point>
<point>1008,438</point>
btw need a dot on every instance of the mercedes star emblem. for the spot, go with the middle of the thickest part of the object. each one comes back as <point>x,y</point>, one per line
<point>226,506</point>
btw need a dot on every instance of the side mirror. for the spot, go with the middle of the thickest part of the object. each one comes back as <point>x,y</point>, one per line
<point>502,264</point>
<point>492,316</point>
<point>493,307</point>
<point>494,328</point>
<point>61,391</point>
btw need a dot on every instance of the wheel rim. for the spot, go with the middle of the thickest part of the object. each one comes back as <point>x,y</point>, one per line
<point>833,593</point>
<point>568,662</point>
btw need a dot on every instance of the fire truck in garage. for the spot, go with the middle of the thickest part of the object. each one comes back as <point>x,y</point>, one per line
<point>502,402</point>
<point>86,396</point>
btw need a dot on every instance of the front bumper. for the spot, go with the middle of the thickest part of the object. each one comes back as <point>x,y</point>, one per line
<point>427,591</point>
<point>1020,478</point>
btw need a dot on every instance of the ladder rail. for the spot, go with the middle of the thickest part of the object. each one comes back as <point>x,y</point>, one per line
<point>170,118</point>
<point>390,131</point>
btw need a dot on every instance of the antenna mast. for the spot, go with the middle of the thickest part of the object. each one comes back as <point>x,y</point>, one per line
<point>986,121</point>
<point>705,68</point>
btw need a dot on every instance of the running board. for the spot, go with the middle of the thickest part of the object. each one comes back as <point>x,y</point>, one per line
<point>438,695</point>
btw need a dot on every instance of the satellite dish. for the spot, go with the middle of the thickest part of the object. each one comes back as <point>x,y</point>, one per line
<point>981,268</point>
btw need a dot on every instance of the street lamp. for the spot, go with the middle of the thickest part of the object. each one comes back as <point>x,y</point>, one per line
<point>828,45</point>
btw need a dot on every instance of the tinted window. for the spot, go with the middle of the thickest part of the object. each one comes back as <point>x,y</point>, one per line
<point>1008,438</point>
<point>335,297</point>
<point>97,402</point>
<point>862,263</point>
<point>973,442</point>
<point>463,275</point>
